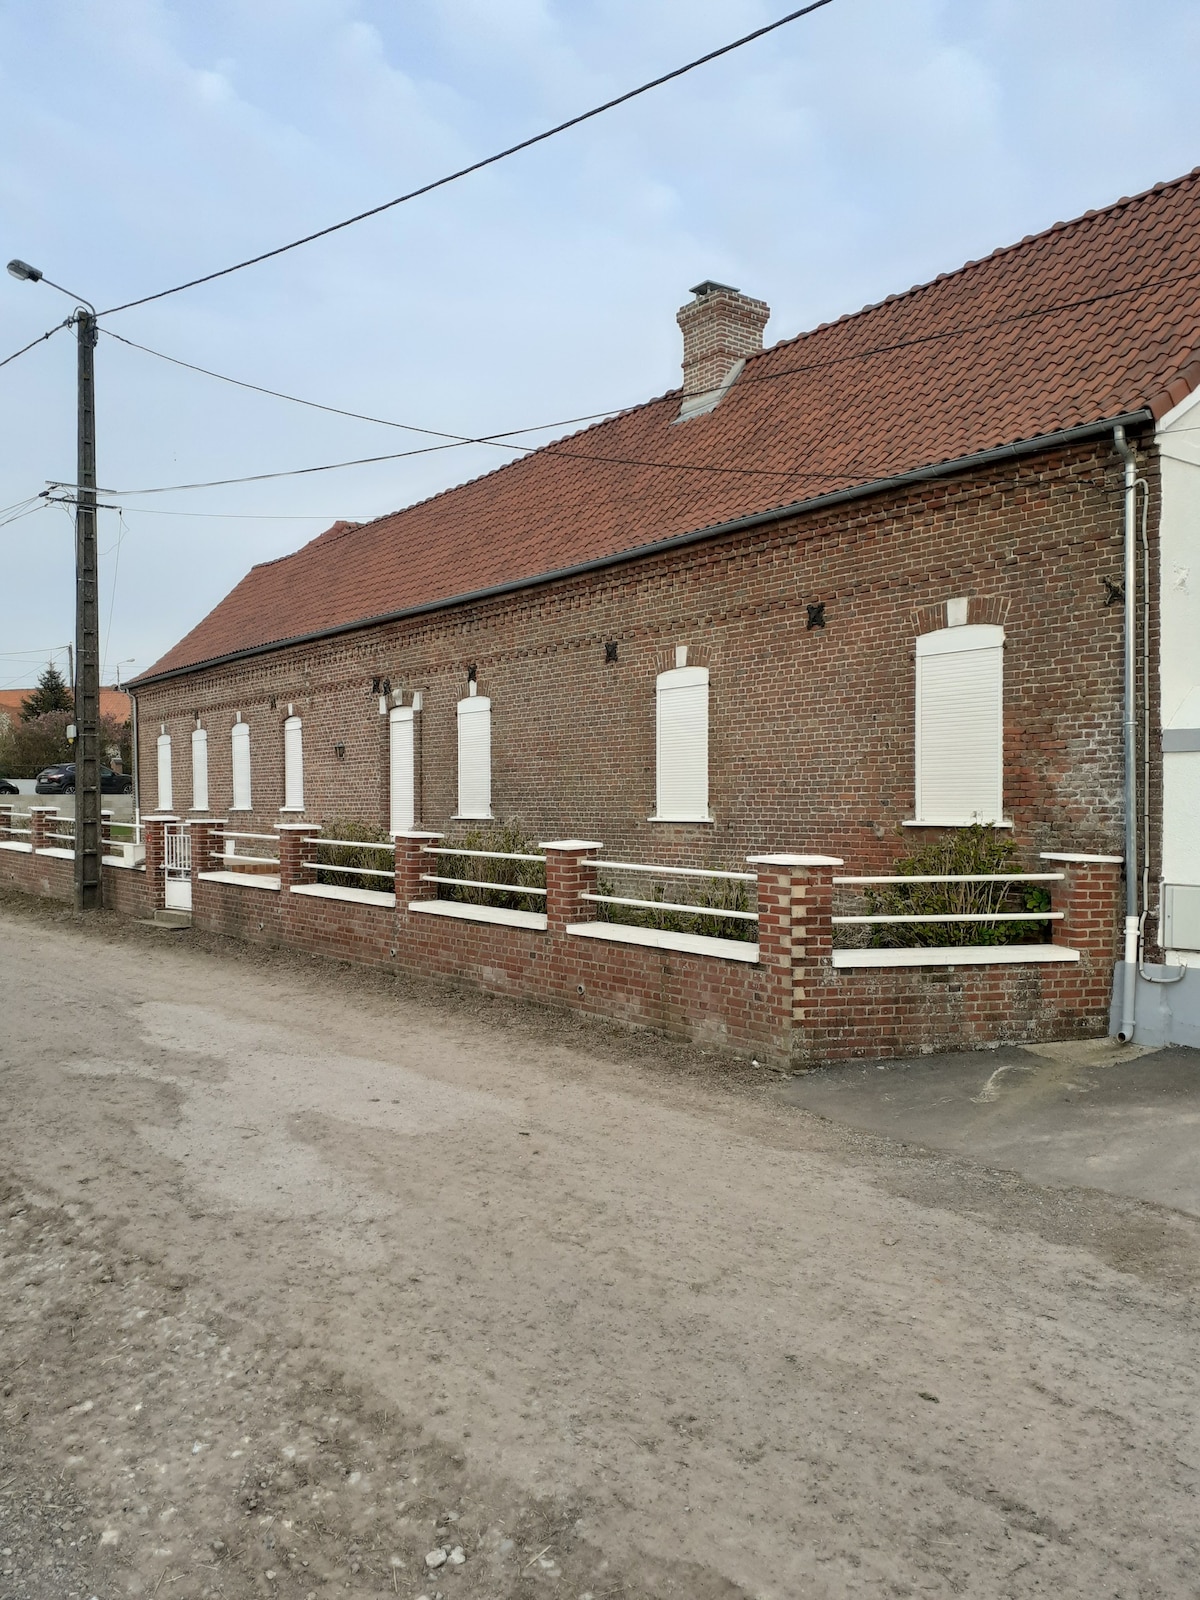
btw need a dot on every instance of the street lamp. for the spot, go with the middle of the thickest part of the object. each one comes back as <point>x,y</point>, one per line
<point>87,607</point>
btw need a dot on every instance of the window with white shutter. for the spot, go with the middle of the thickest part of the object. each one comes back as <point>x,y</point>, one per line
<point>402,771</point>
<point>475,757</point>
<point>199,769</point>
<point>293,765</point>
<point>682,745</point>
<point>240,737</point>
<point>165,798</point>
<point>960,726</point>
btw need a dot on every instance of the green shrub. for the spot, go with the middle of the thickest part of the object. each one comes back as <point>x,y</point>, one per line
<point>510,840</point>
<point>975,850</point>
<point>710,898</point>
<point>368,846</point>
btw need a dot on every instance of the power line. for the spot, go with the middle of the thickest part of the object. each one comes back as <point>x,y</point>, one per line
<point>502,438</point>
<point>359,416</point>
<point>477,166</point>
<point>41,339</point>
<point>550,449</point>
<point>112,599</point>
<point>16,516</point>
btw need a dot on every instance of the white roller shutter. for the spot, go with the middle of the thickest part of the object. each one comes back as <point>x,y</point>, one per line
<point>293,765</point>
<point>402,769</point>
<point>199,769</point>
<point>240,737</point>
<point>682,745</point>
<point>165,798</point>
<point>960,725</point>
<point>475,757</point>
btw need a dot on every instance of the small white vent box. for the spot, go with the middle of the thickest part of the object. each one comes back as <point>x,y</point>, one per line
<point>1181,916</point>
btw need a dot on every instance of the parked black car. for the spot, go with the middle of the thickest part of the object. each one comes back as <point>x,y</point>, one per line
<point>60,779</point>
<point>8,788</point>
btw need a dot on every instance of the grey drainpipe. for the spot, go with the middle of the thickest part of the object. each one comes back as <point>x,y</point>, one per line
<point>137,778</point>
<point>1129,983</point>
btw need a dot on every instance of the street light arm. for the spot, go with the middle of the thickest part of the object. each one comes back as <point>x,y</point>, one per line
<point>27,274</point>
<point>69,293</point>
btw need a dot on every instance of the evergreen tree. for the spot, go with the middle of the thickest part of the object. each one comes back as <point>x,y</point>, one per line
<point>51,694</point>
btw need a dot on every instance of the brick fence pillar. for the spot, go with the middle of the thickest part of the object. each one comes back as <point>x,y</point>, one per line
<point>411,862</point>
<point>795,941</point>
<point>6,822</point>
<point>208,846</point>
<point>40,818</point>
<point>570,874</point>
<point>295,841</point>
<point>1091,897</point>
<point>155,829</point>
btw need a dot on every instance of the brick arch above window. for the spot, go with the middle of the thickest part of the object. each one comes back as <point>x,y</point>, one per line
<point>981,610</point>
<point>698,655</point>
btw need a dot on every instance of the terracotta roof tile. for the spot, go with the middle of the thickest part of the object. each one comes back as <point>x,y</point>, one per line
<point>113,703</point>
<point>1088,320</point>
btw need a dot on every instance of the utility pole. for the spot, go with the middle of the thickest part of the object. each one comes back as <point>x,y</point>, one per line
<point>85,668</point>
<point>88,882</point>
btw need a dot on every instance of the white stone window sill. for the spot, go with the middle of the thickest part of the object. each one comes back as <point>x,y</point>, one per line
<point>994,955</point>
<point>468,913</point>
<point>293,811</point>
<point>358,897</point>
<point>472,816</point>
<point>16,844</point>
<point>954,822</point>
<point>244,880</point>
<point>57,851</point>
<point>686,821</point>
<point>242,808</point>
<point>121,861</point>
<point>692,944</point>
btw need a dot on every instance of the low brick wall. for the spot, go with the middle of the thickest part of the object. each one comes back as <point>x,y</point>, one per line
<point>124,889</point>
<point>791,1005</point>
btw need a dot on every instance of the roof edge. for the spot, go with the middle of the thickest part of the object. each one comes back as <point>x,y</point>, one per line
<point>941,469</point>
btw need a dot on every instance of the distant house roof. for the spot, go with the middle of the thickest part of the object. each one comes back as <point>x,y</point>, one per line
<point>113,703</point>
<point>1090,321</point>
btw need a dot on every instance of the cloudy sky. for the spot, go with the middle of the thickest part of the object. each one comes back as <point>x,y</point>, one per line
<point>143,142</point>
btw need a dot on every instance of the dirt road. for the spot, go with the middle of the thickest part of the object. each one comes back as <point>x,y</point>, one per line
<point>307,1277</point>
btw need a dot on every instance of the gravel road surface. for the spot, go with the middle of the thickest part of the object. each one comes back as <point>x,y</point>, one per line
<point>314,1282</point>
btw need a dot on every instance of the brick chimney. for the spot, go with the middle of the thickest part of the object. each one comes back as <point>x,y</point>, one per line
<point>720,327</point>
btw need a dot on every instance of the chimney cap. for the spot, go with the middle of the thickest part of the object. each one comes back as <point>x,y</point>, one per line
<point>710,286</point>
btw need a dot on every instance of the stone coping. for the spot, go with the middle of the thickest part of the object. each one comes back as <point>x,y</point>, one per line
<point>535,920</point>
<point>692,944</point>
<point>243,880</point>
<point>975,955</point>
<point>357,897</point>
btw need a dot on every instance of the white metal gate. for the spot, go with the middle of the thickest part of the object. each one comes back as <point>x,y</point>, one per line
<point>177,866</point>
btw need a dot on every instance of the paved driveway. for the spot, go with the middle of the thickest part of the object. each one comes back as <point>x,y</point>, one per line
<point>310,1279</point>
<point>1113,1117</point>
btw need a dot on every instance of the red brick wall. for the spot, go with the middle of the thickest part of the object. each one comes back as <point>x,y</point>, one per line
<point>53,878</point>
<point>791,1006</point>
<point>811,742</point>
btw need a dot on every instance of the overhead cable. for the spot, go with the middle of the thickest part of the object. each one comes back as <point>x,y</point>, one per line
<point>477,166</point>
<point>41,339</point>
<point>360,416</point>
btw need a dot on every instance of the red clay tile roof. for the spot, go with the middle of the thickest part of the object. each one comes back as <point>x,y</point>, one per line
<point>113,703</point>
<point>1090,320</point>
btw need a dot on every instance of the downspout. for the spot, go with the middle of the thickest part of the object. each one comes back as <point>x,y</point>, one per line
<point>1129,975</point>
<point>137,769</point>
<point>1143,970</point>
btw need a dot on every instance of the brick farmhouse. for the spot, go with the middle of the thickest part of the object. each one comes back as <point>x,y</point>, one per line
<point>827,600</point>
